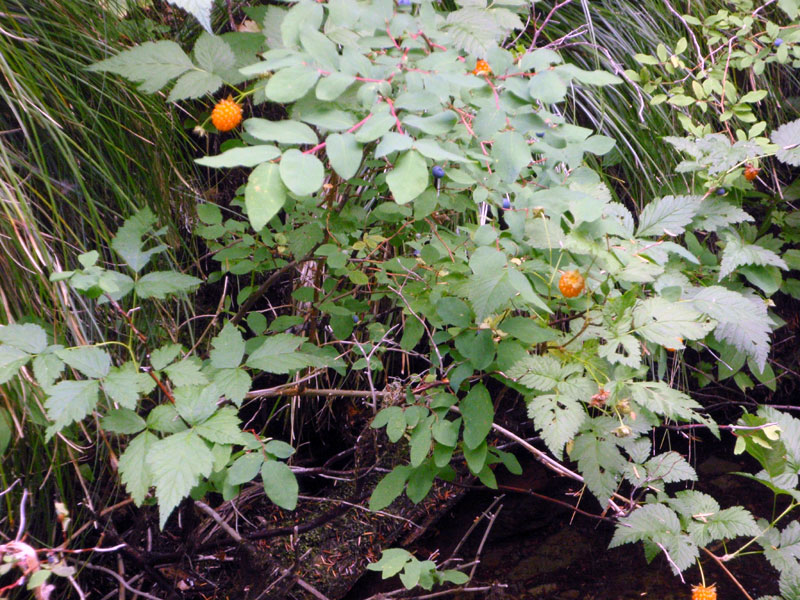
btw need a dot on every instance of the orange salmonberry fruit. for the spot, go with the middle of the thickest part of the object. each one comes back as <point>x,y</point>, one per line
<point>571,284</point>
<point>750,172</point>
<point>701,592</point>
<point>482,68</point>
<point>226,115</point>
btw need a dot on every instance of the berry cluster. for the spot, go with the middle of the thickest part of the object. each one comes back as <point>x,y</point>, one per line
<point>571,284</point>
<point>226,115</point>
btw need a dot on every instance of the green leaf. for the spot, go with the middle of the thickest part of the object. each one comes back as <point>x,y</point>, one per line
<point>420,443</point>
<point>186,372</point>
<point>547,87</point>
<point>279,449</point>
<point>430,149</point>
<point>301,173</point>
<point>668,323</point>
<point>786,137</point>
<point>160,284</point>
<point>11,360</point>
<point>476,457</point>
<point>165,418</point>
<point>600,463</point>
<point>29,338</point>
<point>392,561</point>
<point>670,467</point>
<point>454,311</point>
<point>128,242</point>
<point>122,421</point>
<point>196,403</point>
<point>280,484</point>
<point>558,417</point>
<point>153,64</point>
<point>70,401</point>
<point>737,253</point>
<point>164,355</point>
<point>658,397</point>
<point>5,430</point>
<point>290,84</point>
<point>511,154</point>
<point>233,384</point>
<point>409,178</point>
<point>389,488</point>
<point>249,156</point>
<point>741,321</point>
<point>278,354</point>
<point>542,373</point>
<point>177,462</point>
<point>194,84</point>
<point>393,142</point>
<point>222,427</point>
<point>199,9</point>
<point>244,469</point>
<point>668,215</point>
<point>89,360</point>
<point>478,413</point>
<point>264,195</point>
<point>125,385</point>
<point>488,288</point>
<point>331,87</point>
<point>344,153</point>
<point>439,124</point>
<point>47,368</point>
<point>228,348</point>
<point>282,132</point>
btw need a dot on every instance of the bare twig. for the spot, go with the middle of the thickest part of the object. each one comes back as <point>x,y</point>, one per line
<point>727,572</point>
<point>116,576</point>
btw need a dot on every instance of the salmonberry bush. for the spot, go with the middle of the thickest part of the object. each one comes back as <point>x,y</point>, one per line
<point>448,231</point>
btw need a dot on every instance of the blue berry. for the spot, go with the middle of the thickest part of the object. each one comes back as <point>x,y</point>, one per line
<point>777,42</point>
<point>403,2</point>
<point>506,203</point>
<point>416,252</point>
<point>355,318</point>
<point>540,134</point>
<point>721,191</point>
<point>438,172</point>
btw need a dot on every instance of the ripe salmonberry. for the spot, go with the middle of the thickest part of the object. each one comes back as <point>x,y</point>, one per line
<point>750,172</point>
<point>482,68</point>
<point>701,592</point>
<point>571,284</point>
<point>226,114</point>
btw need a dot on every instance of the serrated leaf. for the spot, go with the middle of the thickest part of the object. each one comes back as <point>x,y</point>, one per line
<point>726,524</point>
<point>478,413</point>
<point>90,361</point>
<point>228,348</point>
<point>122,421</point>
<point>670,467</point>
<point>47,368</point>
<point>787,137</point>
<point>558,417</point>
<point>177,462</point>
<point>222,427</point>
<point>600,463</point>
<point>124,385</point>
<point>668,323</point>
<point>716,213</point>
<point>649,522</point>
<point>134,470</point>
<point>542,373</point>
<point>409,178</point>
<point>302,173</point>
<point>160,284</point>
<point>196,403</point>
<point>658,397</point>
<point>194,84</point>
<point>280,484</point>
<point>264,195</point>
<point>741,321</point>
<point>199,9</point>
<point>278,354</point>
<point>233,384</point>
<point>186,372</point>
<point>11,360</point>
<point>249,156</point>
<point>165,418</point>
<point>668,215</point>
<point>737,253</point>
<point>29,338</point>
<point>164,355</point>
<point>488,287</point>
<point>152,64</point>
<point>70,401</point>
